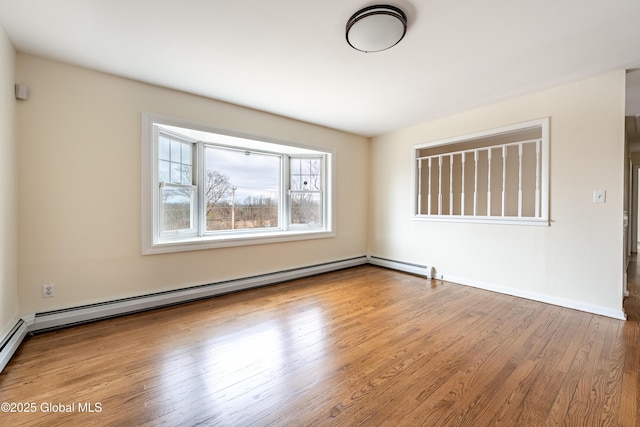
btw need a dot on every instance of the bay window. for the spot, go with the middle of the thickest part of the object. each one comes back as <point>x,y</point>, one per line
<point>206,188</point>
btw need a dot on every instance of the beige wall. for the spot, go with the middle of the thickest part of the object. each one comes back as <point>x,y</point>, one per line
<point>79,184</point>
<point>8,195</point>
<point>577,260</point>
<point>79,195</point>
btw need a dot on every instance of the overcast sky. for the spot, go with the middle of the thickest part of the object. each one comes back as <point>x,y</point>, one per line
<point>254,174</point>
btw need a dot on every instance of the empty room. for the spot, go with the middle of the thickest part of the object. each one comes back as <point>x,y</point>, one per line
<point>268,213</point>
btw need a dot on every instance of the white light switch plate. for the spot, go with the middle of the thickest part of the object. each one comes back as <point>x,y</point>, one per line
<point>599,196</point>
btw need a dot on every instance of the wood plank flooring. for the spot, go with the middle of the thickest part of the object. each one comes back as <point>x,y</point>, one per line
<point>364,346</point>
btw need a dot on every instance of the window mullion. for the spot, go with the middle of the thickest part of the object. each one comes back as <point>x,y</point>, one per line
<point>285,193</point>
<point>199,176</point>
<point>323,192</point>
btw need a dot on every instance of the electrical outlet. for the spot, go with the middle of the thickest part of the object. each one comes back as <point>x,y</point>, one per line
<point>48,290</point>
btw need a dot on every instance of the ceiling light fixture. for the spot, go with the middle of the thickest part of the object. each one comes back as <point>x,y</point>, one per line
<point>376,28</point>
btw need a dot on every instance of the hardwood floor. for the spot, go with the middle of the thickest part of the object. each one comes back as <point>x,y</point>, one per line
<point>364,346</point>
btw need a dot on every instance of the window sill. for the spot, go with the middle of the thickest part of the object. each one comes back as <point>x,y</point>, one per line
<point>231,240</point>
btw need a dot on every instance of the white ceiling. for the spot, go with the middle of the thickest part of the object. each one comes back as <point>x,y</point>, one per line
<point>290,57</point>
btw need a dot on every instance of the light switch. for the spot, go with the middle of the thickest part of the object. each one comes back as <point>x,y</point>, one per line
<point>599,196</point>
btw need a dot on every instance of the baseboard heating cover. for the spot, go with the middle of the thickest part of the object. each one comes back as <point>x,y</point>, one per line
<point>420,270</point>
<point>11,341</point>
<point>87,313</point>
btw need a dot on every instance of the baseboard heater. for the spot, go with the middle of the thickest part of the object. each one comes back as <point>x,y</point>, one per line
<point>11,342</point>
<point>87,313</point>
<point>420,270</point>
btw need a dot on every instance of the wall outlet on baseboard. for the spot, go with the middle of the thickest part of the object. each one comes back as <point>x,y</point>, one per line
<point>48,290</point>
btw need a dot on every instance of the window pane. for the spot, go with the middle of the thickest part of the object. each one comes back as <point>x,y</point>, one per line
<point>241,189</point>
<point>176,173</point>
<point>181,174</point>
<point>314,174</point>
<point>186,154</point>
<point>176,151</point>
<point>164,174</point>
<point>164,150</point>
<point>305,174</point>
<point>186,175</point>
<point>306,208</point>
<point>296,182</point>
<point>175,161</point>
<point>177,209</point>
<point>295,166</point>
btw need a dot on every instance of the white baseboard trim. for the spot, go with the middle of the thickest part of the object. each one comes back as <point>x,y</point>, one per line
<point>88,313</point>
<point>11,340</point>
<point>420,270</point>
<point>575,305</point>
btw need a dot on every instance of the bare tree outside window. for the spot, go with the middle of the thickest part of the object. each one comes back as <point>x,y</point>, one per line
<point>306,191</point>
<point>218,211</point>
<point>241,189</point>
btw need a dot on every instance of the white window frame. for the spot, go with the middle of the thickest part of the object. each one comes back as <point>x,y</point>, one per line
<point>542,217</point>
<point>153,241</point>
<point>159,186</point>
<point>290,192</point>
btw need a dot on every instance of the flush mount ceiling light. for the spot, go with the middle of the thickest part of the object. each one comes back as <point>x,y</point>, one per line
<point>376,28</point>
